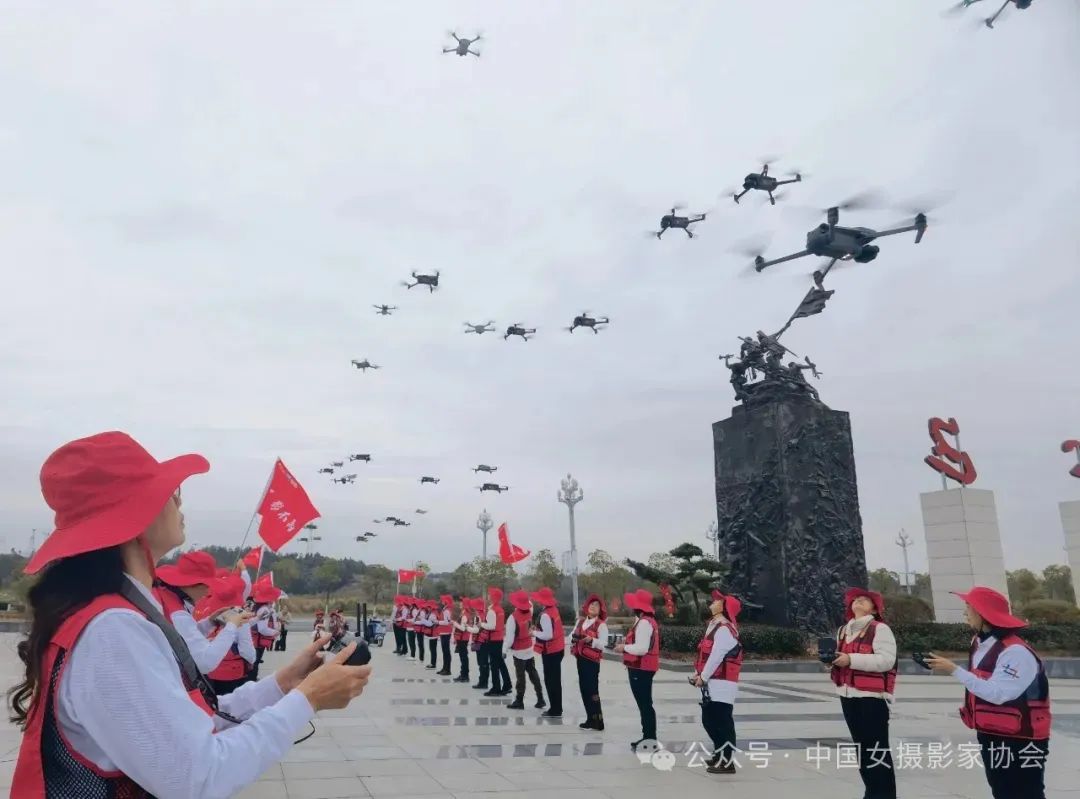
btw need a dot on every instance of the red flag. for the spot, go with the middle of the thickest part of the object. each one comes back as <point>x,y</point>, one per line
<point>253,559</point>
<point>509,553</point>
<point>614,604</point>
<point>285,509</point>
<point>267,580</point>
<point>408,575</point>
<point>669,603</point>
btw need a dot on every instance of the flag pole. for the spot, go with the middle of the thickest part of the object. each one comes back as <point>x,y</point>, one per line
<point>258,505</point>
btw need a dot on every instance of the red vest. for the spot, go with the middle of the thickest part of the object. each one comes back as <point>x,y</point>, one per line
<point>462,636</point>
<point>46,765</point>
<point>410,622</point>
<point>170,602</point>
<point>1027,716</point>
<point>444,627</point>
<point>523,638</point>
<point>232,666</point>
<point>429,631</point>
<point>557,642</point>
<point>582,647</point>
<point>265,641</point>
<point>730,666</point>
<point>873,681</point>
<point>650,661</point>
<point>500,624</point>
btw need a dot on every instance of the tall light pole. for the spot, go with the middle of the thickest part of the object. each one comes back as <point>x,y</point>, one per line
<point>904,541</point>
<point>713,534</point>
<point>483,524</point>
<point>570,495</point>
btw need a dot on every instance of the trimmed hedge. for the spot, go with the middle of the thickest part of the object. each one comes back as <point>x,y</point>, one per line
<point>763,640</point>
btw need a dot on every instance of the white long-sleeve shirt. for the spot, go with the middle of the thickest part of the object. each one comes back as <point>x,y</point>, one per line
<point>207,652</point>
<point>642,639</point>
<point>720,690</point>
<point>1015,670</point>
<point>601,633</point>
<point>511,633</point>
<point>245,643</point>
<point>263,618</point>
<point>882,660</point>
<point>489,620</point>
<point>447,617</point>
<point>122,705</point>
<point>547,629</point>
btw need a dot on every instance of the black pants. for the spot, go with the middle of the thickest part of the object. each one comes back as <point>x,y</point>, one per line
<point>223,687</point>
<point>553,680</point>
<point>483,666</point>
<point>1014,767</point>
<point>641,688</point>
<point>500,674</point>
<point>588,674</point>
<point>399,640</point>
<point>258,661</point>
<point>720,727</point>
<point>523,668</point>
<point>462,649</point>
<point>445,641</point>
<point>868,722</point>
<point>412,643</point>
<point>279,644</point>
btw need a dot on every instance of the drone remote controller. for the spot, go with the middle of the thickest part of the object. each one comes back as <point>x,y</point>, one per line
<point>361,656</point>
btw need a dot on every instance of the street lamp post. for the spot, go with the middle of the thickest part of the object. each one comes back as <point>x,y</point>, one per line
<point>483,524</point>
<point>904,541</point>
<point>570,495</point>
<point>713,534</point>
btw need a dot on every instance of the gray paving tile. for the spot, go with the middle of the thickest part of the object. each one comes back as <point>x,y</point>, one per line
<point>402,784</point>
<point>326,788</point>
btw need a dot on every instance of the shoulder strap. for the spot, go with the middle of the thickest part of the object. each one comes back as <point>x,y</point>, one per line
<point>192,675</point>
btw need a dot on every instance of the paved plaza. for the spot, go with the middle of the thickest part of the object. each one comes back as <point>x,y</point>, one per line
<point>413,734</point>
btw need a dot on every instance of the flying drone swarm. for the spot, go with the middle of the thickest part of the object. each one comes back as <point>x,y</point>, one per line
<point>384,310</point>
<point>487,327</point>
<point>364,365</point>
<point>493,487</point>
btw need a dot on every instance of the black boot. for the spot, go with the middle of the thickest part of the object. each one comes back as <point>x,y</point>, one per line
<point>517,704</point>
<point>540,703</point>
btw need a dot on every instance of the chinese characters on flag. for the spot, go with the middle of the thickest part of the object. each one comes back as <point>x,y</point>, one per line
<point>947,459</point>
<point>285,509</point>
<point>510,553</point>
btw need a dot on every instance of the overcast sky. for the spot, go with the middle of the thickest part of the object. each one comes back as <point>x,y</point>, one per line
<point>201,201</point>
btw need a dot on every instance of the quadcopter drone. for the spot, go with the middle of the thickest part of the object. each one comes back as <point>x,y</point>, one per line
<point>384,310</point>
<point>762,182</point>
<point>487,327</point>
<point>432,480</point>
<point>420,511</point>
<point>364,365</point>
<point>584,320</point>
<point>517,329</point>
<point>431,281</point>
<point>362,539</point>
<point>346,478</point>
<point>493,487</point>
<point>402,523</point>
<point>462,47</point>
<point>337,464</point>
<point>674,221</point>
<point>483,467</point>
<point>391,519</point>
<point>326,470</point>
<point>989,22</point>
<point>363,456</point>
<point>830,240</point>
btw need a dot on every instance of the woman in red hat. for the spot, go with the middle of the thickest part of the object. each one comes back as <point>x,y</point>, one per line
<point>413,629</point>
<point>716,672</point>
<point>462,638</point>
<point>235,668</point>
<point>397,618</point>
<point>178,587</point>
<point>550,644</point>
<point>864,673</point>
<point>112,703</point>
<point>480,639</point>
<point>444,627</point>
<point>265,629</point>
<point>431,633</point>
<point>519,635</point>
<point>641,656</point>
<point>494,623</point>
<point>587,646</point>
<point>1006,696</point>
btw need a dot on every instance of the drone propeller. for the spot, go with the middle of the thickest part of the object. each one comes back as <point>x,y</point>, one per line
<point>958,8</point>
<point>864,200</point>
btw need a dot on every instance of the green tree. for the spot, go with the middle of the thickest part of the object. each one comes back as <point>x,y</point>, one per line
<point>464,580</point>
<point>494,572</point>
<point>286,574</point>
<point>694,575</point>
<point>544,571</point>
<point>884,582</point>
<point>606,577</point>
<point>1024,586</point>
<point>1058,584</point>
<point>330,576</point>
<point>378,584</point>
<point>922,588</point>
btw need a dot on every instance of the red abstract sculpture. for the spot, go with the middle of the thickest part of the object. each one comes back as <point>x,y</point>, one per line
<point>959,466</point>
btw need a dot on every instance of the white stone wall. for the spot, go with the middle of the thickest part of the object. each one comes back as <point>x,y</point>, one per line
<point>1070,523</point>
<point>963,546</point>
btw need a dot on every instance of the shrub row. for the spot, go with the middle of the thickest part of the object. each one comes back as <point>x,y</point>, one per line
<point>757,639</point>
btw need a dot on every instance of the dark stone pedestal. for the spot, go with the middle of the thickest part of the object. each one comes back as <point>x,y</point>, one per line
<point>787,508</point>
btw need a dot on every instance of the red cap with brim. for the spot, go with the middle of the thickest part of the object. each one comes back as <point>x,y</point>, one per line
<point>854,593</point>
<point>225,592</point>
<point>192,568</point>
<point>545,597</point>
<point>992,606</point>
<point>520,600</point>
<point>640,600</point>
<point>105,490</point>
<point>732,605</point>
<point>264,594</point>
<point>495,595</point>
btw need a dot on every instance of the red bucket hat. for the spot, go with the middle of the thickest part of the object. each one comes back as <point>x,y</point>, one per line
<point>992,606</point>
<point>545,597</point>
<point>640,600</point>
<point>225,592</point>
<point>520,600</point>
<point>447,600</point>
<point>105,491</point>
<point>732,605</point>
<point>589,600</point>
<point>854,593</point>
<point>495,595</point>
<point>192,568</point>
